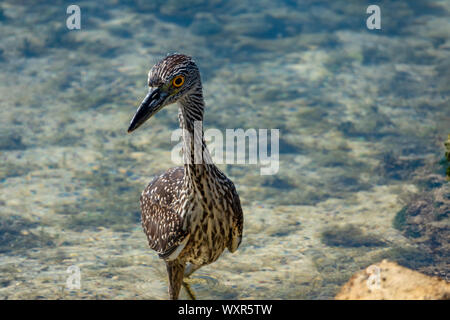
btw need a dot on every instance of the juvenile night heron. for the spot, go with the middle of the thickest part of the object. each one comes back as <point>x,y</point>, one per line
<point>190,214</point>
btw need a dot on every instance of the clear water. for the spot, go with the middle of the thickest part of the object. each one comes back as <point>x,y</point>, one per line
<point>362,115</point>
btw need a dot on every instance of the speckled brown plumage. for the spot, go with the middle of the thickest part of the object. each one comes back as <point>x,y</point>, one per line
<point>190,214</point>
<point>160,220</point>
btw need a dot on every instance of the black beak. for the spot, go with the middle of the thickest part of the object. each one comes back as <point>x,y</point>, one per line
<point>151,104</point>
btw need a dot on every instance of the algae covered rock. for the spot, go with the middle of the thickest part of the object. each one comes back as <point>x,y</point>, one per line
<point>350,236</point>
<point>447,156</point>
<point>425,221</point>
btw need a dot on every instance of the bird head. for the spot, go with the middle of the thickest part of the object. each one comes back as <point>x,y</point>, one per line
<point>169,80</point>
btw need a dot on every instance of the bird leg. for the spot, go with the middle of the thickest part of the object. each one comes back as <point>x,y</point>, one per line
<point>190,269</point>
<point>189,291</point>
<point>175,271</point>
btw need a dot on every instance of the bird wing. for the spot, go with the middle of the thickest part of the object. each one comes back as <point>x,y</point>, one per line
<point>237,221</point>
<point>162,224</point>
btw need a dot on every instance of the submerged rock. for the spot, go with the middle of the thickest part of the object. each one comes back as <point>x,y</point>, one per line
<point>425,221</point>
<point>350,236</point>
<point>389,281</point>
<point>447,156</point>
<point>15,235</point>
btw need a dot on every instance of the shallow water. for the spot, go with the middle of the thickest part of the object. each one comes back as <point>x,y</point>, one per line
<point>362,115</point>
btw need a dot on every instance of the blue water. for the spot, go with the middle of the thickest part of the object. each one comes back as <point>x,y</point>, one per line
<point>362,114</point>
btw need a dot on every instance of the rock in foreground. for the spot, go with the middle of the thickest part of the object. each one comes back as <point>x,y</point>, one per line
<point>389,281</point>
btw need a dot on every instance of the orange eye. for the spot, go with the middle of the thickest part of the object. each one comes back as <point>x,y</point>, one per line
<point>178,81</point>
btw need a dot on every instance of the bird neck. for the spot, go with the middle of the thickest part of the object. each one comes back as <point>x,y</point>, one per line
<point>197,161</point>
